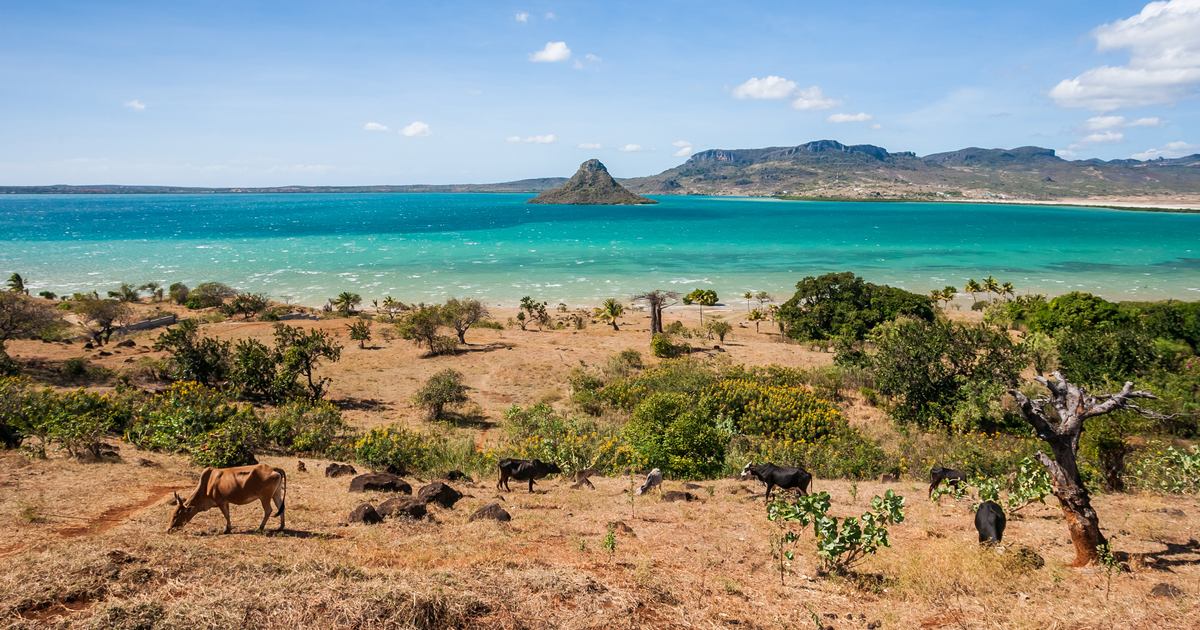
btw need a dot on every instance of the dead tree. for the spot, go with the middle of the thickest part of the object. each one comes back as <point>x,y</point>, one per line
<point>1072,405</point>
<point>657,301</point>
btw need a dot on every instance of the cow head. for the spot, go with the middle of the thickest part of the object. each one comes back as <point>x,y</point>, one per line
<point>552,469</point>
<point>181,515</point>
<point>746,470</point>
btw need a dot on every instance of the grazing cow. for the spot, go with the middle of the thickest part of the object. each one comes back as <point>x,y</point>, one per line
<point>220,487</point>
<point>653,479</point>
<point>782,476</point>
<point>938,475</point>
<point>524,470</point>
<point>990,522</point>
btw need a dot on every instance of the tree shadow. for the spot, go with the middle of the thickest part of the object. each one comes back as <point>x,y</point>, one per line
<point>1169,557</point>
<point>351,403</point>
<point>297,533</point>
<point>467,420</point>
<point>468,348</point>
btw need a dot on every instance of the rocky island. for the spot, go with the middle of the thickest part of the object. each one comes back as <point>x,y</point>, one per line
<point>591,186</point>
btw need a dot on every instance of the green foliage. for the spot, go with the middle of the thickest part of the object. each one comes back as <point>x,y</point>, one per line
<point>610,311</point>
<point>610,542</point>
<point>720,329</point>
<point>360,331</point>
<point>539,432</point>
<point>178,293</point>
<point>783,540</point>
<point>678,436</point>
<point>300,353</point>
<point>672,375</point>
<point>154,289</point>
<point>844,305</point>
<point>174,419</point>
<point>1077,311</point>
<point>397,446</point>
<point>255,372</point>
<point>1169,469</point>
<point>245,304</point>
<point>843,544</point>
<point>306,426</point>
<point>102,317</point>
<point>125,293</point>
<point>462,314</point>
<point>9,366</point>
<point>790,413</point>
<point>205,360</point>
<point>76,421</point>
<point>533,311</point>
<point>1042,352</point>
<point>49,295</point>
<point>703,297</point>
<point>346,302</point>
<point>1030,484</point>
<point>232,443</point>
<point>206,295</point>
<point>441,390</point>
<point>662,347</point>
<point>1091,356</point>
<point>941,373</point>
<point>16,284</point>
<point>423,325</point>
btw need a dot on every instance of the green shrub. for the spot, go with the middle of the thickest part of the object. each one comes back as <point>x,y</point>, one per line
<point>488,323</point>
<point>232,443</point>
<point>205,360</point>
<point>675,434</point>
<point>307,426</point>
<point>1169,469</point>
<point>9,366</point>
<point>174,418</point>
<point>662,347</point>
<point>441,390</point>
<point>75,367</point>
<point>787,413</point>
<point>397,446</point>
<point>685,375</point>
<point>539,432</point>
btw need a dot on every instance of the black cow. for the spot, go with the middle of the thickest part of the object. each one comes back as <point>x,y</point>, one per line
<point>990,522</point>
<point>939,474</point>
<point>523,470</point>
<point>782,476</point>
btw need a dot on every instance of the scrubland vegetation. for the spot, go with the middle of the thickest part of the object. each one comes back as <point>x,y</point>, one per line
<point>908,386</point>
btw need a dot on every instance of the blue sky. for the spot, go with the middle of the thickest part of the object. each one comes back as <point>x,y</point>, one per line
<point>253,94</point>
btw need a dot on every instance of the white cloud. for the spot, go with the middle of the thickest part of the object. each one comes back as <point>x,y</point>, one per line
<point>135,105</point>
<point>522,17</point>
<point>812,99</point>
<point>845,118</point>
<point>1107,123</point>
<point>591,57</point>
<point>546,139</point>
<point>1100,137</point>
<point>554,51</point>
<point>1164,61</point>
<point>875,127</point>
<point>550,16</point>
<point>770,88</point>
<point>590,145</point>
<point>417,129</point>
<point>374,127</point>
<point>578,65</point>
<point>1169,150</point>
<point>631,148</point>
<point>681,143</point>
<point>684,152</point>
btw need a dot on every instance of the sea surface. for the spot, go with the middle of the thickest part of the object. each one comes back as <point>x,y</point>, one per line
<point>427,247</point>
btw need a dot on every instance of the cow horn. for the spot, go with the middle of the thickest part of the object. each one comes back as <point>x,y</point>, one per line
<point>178,501</point>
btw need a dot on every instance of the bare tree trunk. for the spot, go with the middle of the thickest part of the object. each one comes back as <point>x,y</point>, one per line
<point>1073,405</point>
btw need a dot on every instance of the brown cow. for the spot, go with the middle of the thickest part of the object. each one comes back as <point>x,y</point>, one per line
<point>241,485</point>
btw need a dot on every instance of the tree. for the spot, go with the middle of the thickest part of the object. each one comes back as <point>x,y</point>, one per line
<point>703,297</point>
<point>16,284</point>
<point>656,300</point>
<point>763,298</point>
<point>178,292</point>
<point>675,434</point>
<point>422,326</point>
<point>360,331</point>
<point>948,295</point>
<point>533,311</point>
<point>390,306</point>
<point>245,304</point>
<point>345,302</point>
<point>1072,406</point>
<point>1007,290</point>
<point>49,295</point>
<point>102,317</point>
<point>209,294</point>
<point>154,289</point>
<point>301,353</point>
<point>442,389</point>
<point>125,293</point>
<point>205,360</point>
<point>720,329</point>
<point>844,305</point>
<point>462,314</point>
<point>991,286</point>
<point>749,295</point>
<point>972,287</point>
<point>610,311</point>
<point>756,316</point>
<point>22,317</point>
<point>255,371</point>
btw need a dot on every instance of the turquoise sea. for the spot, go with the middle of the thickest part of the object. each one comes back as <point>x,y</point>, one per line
<point>426,247</point>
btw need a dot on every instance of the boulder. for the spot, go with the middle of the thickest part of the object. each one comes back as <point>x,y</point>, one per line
<point>365,513</point>
<point>458,475</point>
<point>582,483</point>
<point>145,463</point>
<point>1167,591</point>
<point>621,527</point>
<point>440,493</point>
<point>586,473</point>
<point>338,470</point>
<point>671,496</point>
<point>128,343</point>
<point>300,467</point>
<point>402,507</point>
<point>379,482</point>
<point>492,511</point>
<point>393,469</point>
<point>886,478</point>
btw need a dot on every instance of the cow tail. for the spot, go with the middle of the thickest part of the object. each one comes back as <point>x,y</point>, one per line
<point>283,502</point>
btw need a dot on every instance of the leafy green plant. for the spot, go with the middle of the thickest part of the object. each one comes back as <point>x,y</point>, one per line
<point>610,542</point>
<point>443,389</point>
<point>574,444</point>
<point>841,549</point>
<point>397,446</point>
<point>360,331</point>
<point>307,426</point>
<point>678,436</point>
<point>174,418</point>
<point>232,443</point>
<point>783,539</point>
<point>1168,469</point>
<point>205,360</point>
<point>1110,563</point>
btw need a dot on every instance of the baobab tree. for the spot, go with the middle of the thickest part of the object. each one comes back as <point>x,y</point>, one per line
<point>1072,406</point>
<point>656,300</point>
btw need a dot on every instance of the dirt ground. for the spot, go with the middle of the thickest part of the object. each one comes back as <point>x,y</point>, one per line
<point>85,544</point>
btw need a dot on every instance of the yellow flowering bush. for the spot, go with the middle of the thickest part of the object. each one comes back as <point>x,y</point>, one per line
<point>180,414</point>
<point>306,426</point>
<point>540,433</point>
<point>775,411</point>
<point>397,446</point>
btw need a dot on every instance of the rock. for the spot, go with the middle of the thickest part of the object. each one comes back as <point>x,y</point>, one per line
<point>128,361</point>
<point>105,353</point>
<point>402,507</point>
<point>145,463</point>
<point>1165,590</point>
<point>440,493</point>
<point>379,482</point>
<point>737,489</point>
<point>365,513</point>
<point>456,475</point>
<point>875,624</point>
<point>338,470</point>
<point>675,495</point>
<point>492,511</point>
<point>586,473</point>
<point>591,185</point>
<point>886,478</point>
<point>393,469</point>
<point>1022,559</point>
<point>692,486</point>
<point>89,346</point>
<point>583,483</point>
<point>300,466</point>
<point>620,526</point>
<point>128,343</point>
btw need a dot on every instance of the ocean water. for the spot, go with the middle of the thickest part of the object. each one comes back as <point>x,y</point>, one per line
<point>426,247</point>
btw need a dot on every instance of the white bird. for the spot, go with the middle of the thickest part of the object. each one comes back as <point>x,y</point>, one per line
<point>653,479</point>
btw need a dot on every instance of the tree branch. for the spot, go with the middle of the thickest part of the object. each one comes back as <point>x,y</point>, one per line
<point>1031,410</point>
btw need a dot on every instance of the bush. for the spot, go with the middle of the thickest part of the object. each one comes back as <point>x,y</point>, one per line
<point>573,444</point>
<point>306,426</point>
<point>673,433</point>
<point>849,455</point>
<point>76,421</point>
<point>208,294</point>
<point>178,293</point>
<point>397,446</point>
<point>844,305</point>
<point>9,366</point>
<point>442,389</point>
<point>174,418</point>
<point>231,444</point>
<point>1169,469</point>
<point>194,358</point>
<point>663,347</point>
<point>779,412</point>
<point>686,375</point>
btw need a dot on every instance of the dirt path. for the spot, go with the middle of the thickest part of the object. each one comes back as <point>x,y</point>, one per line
<point>114,516</point>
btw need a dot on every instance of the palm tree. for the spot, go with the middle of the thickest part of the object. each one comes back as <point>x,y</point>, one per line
<point>1008,290</point>
<point>991,286</point>
<point>703,297</point>
<point>16,284</point>
<point>609,311</point>
<point>748,296</point>
<point>346,301</point>
<point>972,287</point>
<point>756,316</point>
<point>948,294</point>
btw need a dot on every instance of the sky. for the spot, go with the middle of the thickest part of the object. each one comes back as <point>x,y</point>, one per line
<point>349,93</point>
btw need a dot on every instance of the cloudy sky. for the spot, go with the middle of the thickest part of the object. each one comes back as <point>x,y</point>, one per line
<point>256,93</point>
